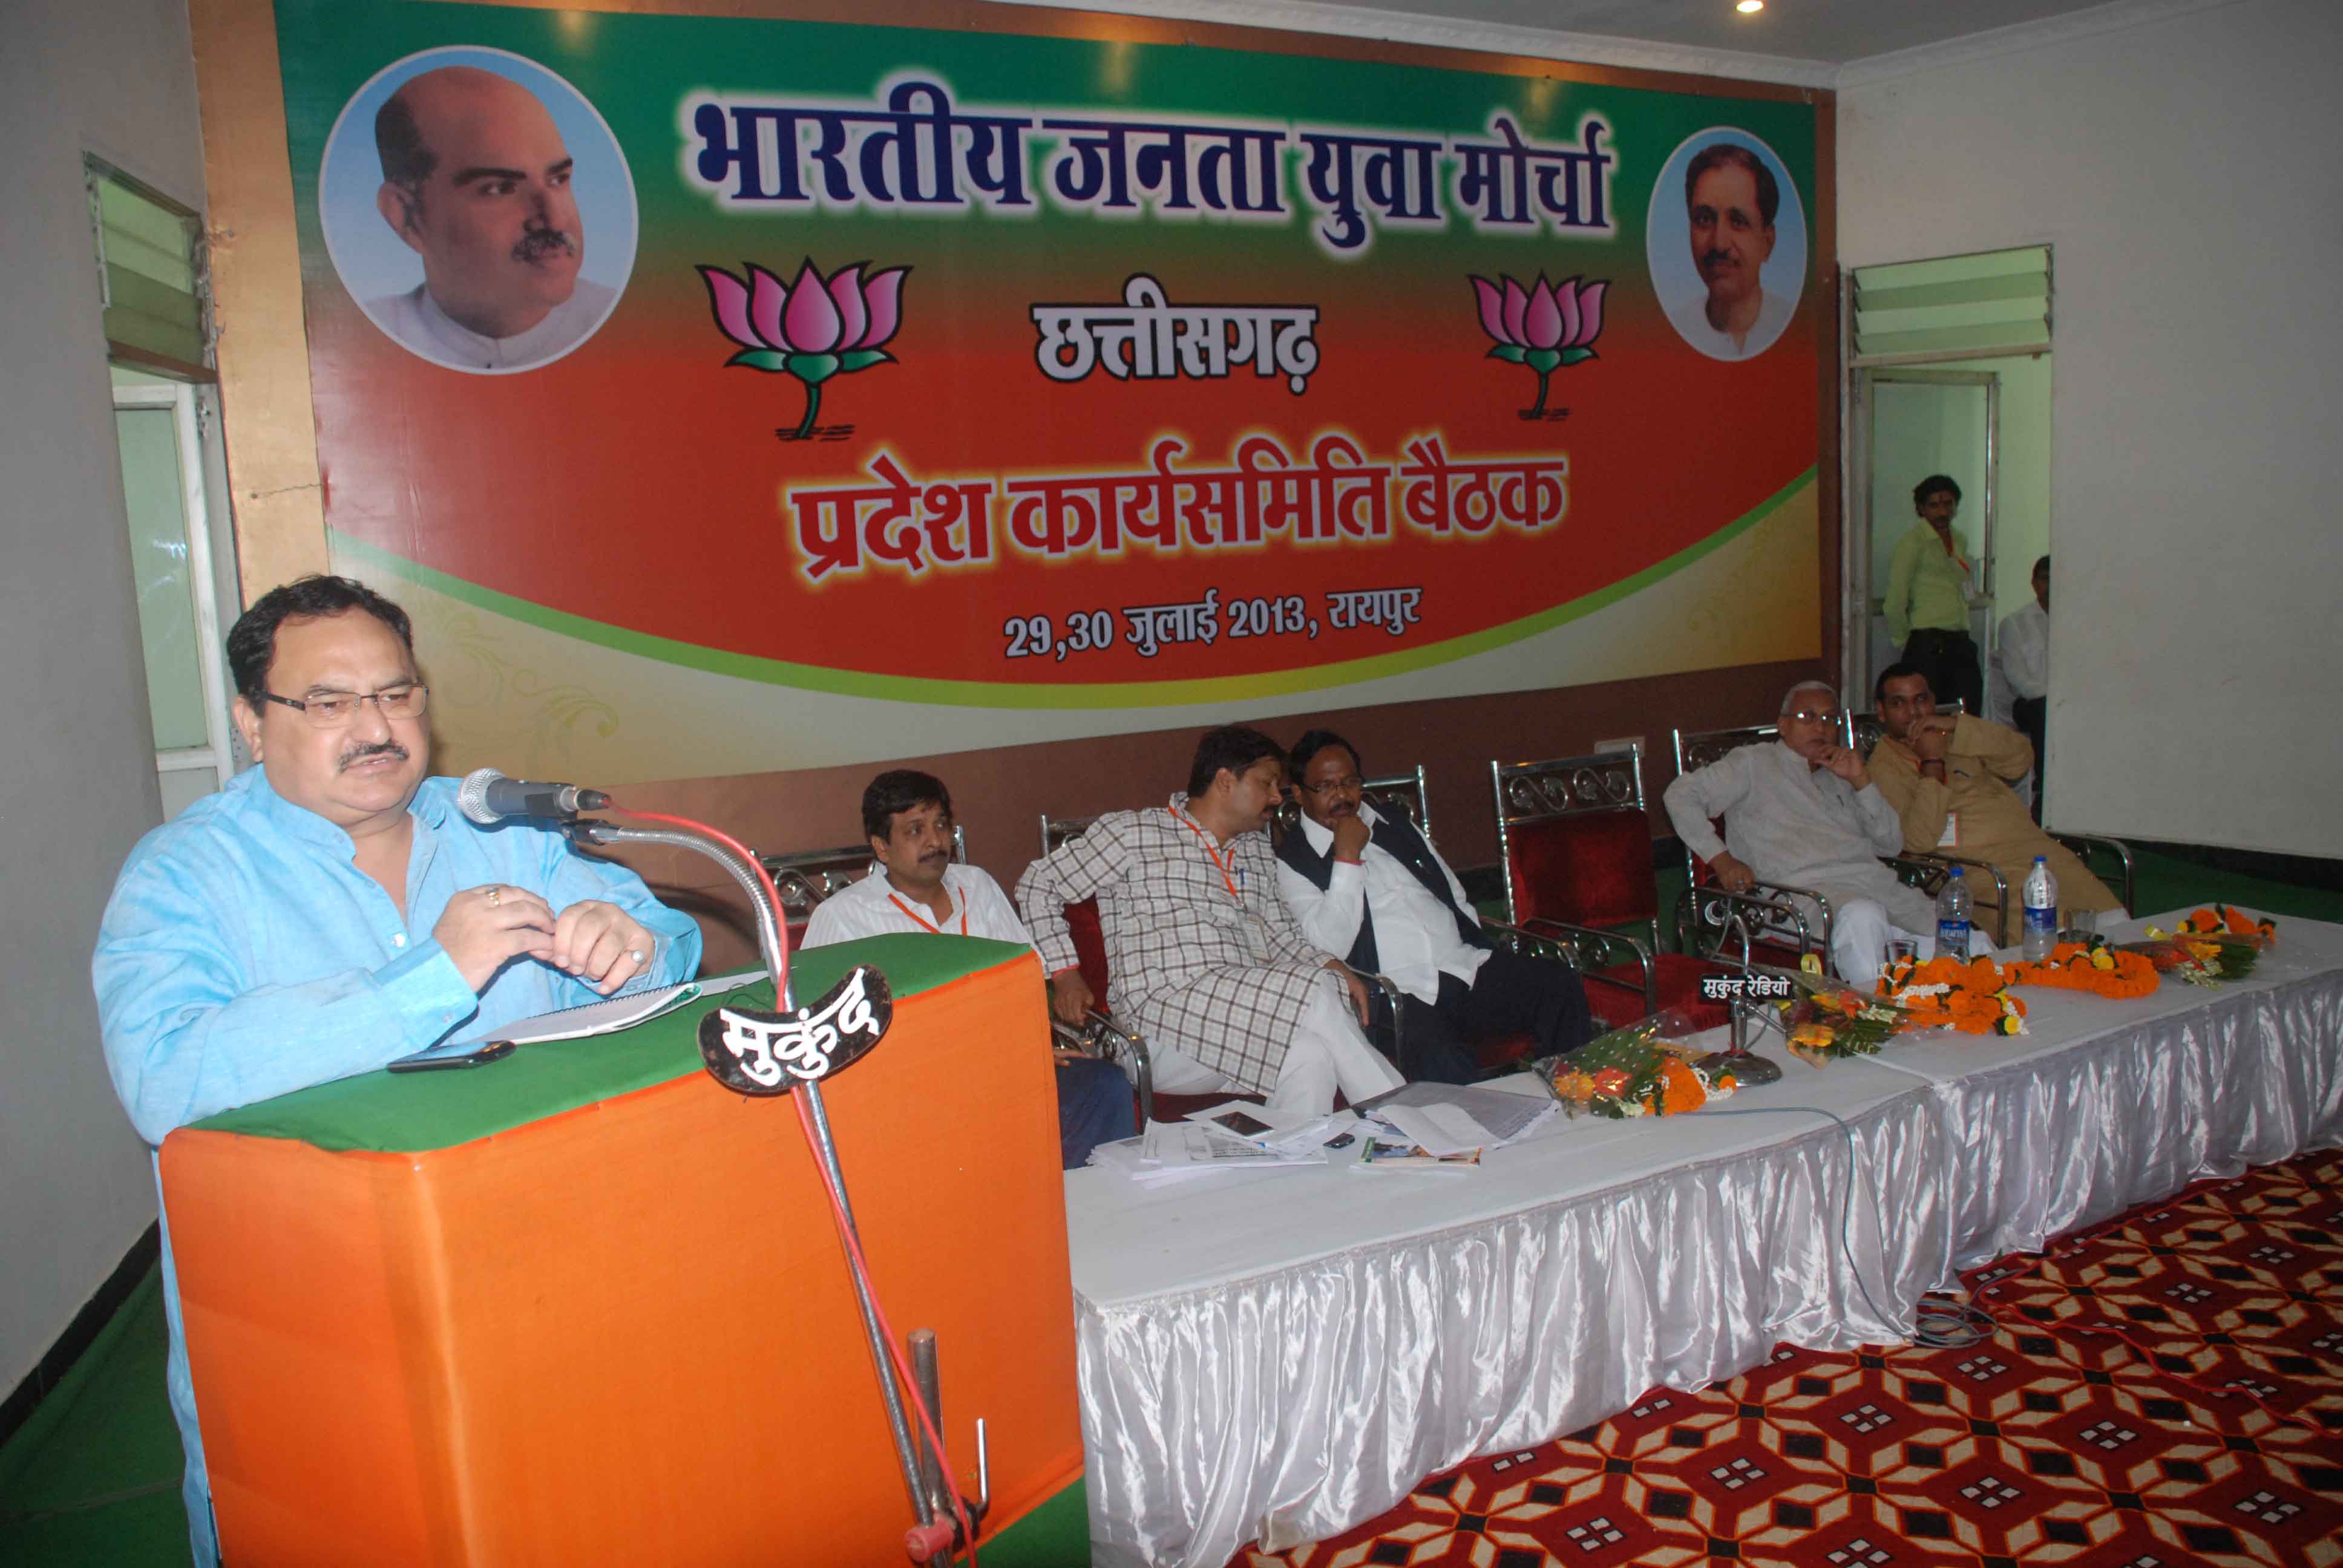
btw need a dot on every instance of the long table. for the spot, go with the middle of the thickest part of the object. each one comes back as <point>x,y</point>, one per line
<point>1279,1356</point>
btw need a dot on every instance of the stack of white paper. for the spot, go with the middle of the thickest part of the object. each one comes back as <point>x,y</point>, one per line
<point>1181,1151</point>
<point>1444,1119</point>
<point>1289,1131</point>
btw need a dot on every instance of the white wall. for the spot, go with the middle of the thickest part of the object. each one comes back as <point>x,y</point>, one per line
<point>2186,171</point>
<point>116,78</point>
<point>2022,529</point>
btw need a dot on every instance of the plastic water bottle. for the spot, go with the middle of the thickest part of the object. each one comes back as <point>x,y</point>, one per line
<point>2041,900</point>
<point>1953,917</point>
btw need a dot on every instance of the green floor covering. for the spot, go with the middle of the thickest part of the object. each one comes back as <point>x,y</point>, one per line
<point>93,1477</point>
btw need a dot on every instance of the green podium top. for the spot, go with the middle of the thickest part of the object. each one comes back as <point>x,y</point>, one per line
<point>408,1112</point>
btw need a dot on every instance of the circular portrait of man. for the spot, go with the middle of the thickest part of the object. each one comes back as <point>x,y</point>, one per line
<point>479,209</point>
<point>1726,243</point>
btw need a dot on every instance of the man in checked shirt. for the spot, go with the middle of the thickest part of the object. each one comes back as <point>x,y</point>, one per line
<point>1204,955</point>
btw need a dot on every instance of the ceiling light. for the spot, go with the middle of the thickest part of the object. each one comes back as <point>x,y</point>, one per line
<point>1749,8</point>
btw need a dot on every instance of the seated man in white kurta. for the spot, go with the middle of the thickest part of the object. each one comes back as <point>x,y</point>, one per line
<point>915,886</point>
<point>1374,888</point>
<point>1804,813</point>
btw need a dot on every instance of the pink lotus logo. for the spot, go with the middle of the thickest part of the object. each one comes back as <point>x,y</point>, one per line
<point>1543,326</point>
<point>811,329</point>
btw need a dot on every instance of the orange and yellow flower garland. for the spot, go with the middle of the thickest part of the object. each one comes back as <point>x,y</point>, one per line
<point>2103,971</point>
<point>2222,919</point>
<point>2211,946</point>
<point>1972,996</point>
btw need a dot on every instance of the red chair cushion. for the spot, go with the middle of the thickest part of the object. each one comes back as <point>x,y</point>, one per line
<point>1499,1050</point>
<point>1615,1007</point>
<point>1677,978</point>
<point>1592,868</point>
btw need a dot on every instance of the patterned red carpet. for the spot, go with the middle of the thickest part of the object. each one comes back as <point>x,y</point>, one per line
<point>2044,1443</point>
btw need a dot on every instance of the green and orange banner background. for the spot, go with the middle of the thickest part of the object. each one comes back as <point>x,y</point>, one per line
<point>616,557</point>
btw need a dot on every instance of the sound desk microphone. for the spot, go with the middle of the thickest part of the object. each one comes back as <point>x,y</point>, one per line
<point>488,798</point>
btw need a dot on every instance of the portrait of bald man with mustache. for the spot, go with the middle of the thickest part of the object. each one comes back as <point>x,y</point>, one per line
<point>476,180</point>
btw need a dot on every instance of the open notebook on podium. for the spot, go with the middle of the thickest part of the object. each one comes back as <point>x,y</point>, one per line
<point>605,1017</point>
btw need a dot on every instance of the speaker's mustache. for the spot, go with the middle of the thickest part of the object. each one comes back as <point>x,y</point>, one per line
<point>380,749</point>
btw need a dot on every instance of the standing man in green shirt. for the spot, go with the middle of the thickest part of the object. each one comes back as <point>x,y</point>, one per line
<point>1928,601</point>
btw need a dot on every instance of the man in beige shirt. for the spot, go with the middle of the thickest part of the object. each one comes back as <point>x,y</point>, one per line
<point>1949,779</point>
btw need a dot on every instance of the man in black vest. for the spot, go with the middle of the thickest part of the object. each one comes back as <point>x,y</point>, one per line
<point>1373,889</point>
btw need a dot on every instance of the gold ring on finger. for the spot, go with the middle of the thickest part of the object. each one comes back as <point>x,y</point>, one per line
<point>495,895</point>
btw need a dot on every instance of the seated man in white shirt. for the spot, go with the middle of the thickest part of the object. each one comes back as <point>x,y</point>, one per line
<point>1803,812</point>
<point>917,886</point>
<point>1373,889</point>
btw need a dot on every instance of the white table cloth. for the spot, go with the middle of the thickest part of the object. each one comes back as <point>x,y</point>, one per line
<point>2105,1104</point>
<point>1279,1357</point>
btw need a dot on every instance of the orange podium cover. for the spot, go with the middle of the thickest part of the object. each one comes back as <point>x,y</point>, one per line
<point>585,1305</point>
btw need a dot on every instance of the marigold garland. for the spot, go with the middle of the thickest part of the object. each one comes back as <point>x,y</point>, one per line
<point>2105,971</point>
<point>1971,996</point>
<point>2228,922</point>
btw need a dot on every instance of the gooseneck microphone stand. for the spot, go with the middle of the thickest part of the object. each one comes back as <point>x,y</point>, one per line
<point>769,940</point>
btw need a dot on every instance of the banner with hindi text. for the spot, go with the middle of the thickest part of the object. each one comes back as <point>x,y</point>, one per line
<point>726,395</point>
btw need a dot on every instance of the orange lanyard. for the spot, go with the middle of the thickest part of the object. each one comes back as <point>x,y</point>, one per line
<point>922,923</point>
<point>1218,864</point>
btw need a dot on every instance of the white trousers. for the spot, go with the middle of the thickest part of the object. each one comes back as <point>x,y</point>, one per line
<point>1330,1051</point>
<point>1860,931</point>
<point>1177,1073</point>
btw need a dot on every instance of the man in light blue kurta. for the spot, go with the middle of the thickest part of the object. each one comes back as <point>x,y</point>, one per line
<point>331,909</point>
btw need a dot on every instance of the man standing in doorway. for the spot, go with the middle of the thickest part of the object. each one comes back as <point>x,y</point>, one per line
<point>1927,603</point>
<point>2021,654</point>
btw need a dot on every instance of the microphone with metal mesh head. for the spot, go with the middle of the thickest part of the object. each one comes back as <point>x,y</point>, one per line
<point>488,798</point>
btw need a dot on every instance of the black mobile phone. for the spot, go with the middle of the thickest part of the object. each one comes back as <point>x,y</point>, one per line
<point>494,1050</point>
<point>1243,1126</point>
